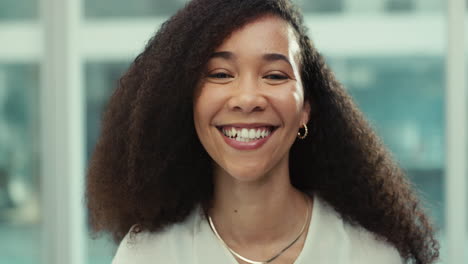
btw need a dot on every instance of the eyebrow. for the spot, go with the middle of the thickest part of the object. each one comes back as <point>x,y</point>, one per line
<point>276,57</point>
<point>270,57</point>
<point>223,54</point>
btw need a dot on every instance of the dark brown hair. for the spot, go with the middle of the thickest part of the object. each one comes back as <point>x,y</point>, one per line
<point>149,167</point>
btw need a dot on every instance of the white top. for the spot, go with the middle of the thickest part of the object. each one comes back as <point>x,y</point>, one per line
<point>329,240</point>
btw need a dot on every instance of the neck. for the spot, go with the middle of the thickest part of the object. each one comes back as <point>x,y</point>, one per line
<point>263,212</point>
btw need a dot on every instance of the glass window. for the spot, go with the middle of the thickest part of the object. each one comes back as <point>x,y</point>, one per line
<point>19,9</point>
<point>403,98</point>
<point>123,8</point>
<point>19,165</point>
<point>370,6</point>
<point>101,250</point>
<point>321,6</point>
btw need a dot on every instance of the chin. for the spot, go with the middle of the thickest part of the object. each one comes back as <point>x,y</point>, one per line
<point>246,173</point>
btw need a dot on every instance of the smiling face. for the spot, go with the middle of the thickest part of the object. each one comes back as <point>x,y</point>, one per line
<point>249,104</point>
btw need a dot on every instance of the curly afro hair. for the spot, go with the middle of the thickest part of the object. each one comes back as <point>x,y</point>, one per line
<point>149,167</point>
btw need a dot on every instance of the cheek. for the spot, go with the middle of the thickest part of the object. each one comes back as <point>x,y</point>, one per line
<point>202,120</point>
<point>207,103</point>
<point>289,103</point>
<point>201,116</point>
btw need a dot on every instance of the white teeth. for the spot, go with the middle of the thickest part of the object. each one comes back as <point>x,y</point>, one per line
<point>258,133</point>
<point>252,133</point>
<point>244,133</point>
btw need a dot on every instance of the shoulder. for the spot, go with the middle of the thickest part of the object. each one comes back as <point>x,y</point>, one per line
<point>365,245</point>
<point>170,245</point>
<point>360,245</point>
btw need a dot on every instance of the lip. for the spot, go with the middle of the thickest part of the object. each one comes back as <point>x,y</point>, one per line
<point>252,145</point>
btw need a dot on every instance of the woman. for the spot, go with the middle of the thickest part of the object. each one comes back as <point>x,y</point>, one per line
<point>230,141</point>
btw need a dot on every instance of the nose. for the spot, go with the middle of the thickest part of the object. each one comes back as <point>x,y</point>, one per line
<point>247,98</point>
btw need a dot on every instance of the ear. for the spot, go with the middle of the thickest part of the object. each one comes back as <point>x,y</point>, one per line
<point>305,113</point>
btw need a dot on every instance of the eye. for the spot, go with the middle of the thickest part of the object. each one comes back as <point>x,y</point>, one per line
<point>220,75</point>
<point>275,77</point>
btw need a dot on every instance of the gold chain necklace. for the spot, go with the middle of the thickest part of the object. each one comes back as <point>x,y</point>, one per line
<point>270,259</point>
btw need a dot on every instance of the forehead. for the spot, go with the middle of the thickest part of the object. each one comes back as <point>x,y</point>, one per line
<point>268,33</point>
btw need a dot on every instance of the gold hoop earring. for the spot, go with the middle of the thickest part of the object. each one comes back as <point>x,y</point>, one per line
<point>306,132</point>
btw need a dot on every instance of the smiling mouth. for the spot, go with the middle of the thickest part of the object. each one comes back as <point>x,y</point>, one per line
<point>243,134</point>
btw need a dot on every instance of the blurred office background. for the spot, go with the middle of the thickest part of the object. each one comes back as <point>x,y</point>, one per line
<point>391,55</point>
